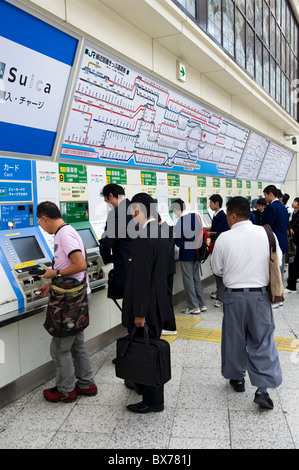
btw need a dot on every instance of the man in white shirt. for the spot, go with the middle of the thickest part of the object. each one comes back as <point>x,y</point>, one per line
<point>241,257</point>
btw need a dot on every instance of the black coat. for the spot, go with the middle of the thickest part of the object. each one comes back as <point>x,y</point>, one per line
<point>116,246</point>
<point>146,289</point>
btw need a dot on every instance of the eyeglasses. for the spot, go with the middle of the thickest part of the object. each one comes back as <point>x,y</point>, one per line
<point>39,219</point>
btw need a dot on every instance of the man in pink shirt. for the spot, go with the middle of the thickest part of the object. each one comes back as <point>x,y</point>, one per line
<point>69,261</point>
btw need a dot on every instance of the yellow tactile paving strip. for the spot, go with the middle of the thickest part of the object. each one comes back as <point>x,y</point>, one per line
<point>185,328</point>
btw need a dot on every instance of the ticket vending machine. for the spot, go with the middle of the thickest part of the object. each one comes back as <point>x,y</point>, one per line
<point>22,245</point>
<point>21,250</point>
<point>77,215</point>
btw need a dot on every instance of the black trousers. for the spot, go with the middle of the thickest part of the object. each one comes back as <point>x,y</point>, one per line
<point>170,324</point>
<point>293,273</point>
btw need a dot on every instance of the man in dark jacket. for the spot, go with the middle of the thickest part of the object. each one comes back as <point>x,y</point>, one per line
<point>188,235</point>
<point>277,217</point>
<point>145,297</point>
<point>116,245</point>
<point>219,225</point>
<point>294,263</point>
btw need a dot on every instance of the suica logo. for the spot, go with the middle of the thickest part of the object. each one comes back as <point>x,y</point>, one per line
<point>30,81</point>
<point>2,69</point>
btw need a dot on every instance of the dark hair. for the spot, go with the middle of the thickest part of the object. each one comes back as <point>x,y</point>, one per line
<point>147,204</point>
<point>271,189</point>
<point>262,201</point>
<point>279,194</point>
<point>216,198</point>
<point>240,206</point>
<point>49,209</point>
<point>296,199</point>
<point>178,204</point>
<point>114,189</point>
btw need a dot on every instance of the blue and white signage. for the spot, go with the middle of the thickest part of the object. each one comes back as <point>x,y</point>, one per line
<point>35,65</point>
<point>15,169</point>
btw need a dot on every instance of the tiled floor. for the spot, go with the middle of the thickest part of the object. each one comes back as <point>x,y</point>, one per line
<point>201,409</point>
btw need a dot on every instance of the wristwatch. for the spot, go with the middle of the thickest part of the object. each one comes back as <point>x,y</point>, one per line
<point>57,273</point>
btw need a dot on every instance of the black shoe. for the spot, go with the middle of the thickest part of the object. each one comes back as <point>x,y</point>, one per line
<point>238,385</point>
<point>132,385</point>
<point>143,408</point>
<point>114,360</point>
<point>263,400</point>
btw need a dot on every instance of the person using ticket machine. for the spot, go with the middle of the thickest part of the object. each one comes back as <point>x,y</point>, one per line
<point>69,260</point>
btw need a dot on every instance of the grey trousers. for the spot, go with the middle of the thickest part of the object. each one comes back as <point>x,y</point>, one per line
<point>220,288</point>
<point>192,284</point>
<point>248,339</point>
<point>71,360</point>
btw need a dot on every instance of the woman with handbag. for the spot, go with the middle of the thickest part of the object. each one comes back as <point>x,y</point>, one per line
<point>67,312</point>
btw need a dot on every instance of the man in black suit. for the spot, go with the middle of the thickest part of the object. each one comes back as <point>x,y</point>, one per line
<point>116,245</point>
<point>219,225</point>
<point>145,297</point>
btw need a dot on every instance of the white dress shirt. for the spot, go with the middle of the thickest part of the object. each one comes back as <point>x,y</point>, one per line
<point>241,256</point>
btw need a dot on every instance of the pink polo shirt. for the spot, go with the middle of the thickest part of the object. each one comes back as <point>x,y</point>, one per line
<point>66,242</point>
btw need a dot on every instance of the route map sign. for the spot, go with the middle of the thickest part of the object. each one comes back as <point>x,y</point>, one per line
<point>253,157</point>
<point>120,116</point>
<point>276,164</point>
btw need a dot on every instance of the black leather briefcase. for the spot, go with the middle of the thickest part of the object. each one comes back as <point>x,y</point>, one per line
<point>143,360</point>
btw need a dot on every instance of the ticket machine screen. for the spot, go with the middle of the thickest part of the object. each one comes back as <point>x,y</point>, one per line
<point>207,219</point>
<point>88,238</point>
<point>27,248</point>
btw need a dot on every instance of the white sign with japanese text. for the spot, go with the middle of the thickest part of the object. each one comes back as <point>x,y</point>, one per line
<point>32,86</point>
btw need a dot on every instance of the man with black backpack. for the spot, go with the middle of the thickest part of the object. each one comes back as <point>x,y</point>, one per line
<point>188,237</point>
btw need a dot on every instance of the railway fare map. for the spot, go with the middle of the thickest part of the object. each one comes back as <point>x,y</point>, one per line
<point>253,157</point>
<point>276,164</point>
<point>119,116</point>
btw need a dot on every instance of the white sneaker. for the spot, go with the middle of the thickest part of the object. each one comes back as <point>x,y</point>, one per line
<point>203,308</point>
<point>289,291</point>
<point>275,305</point>
<point>185,310</point>
<point>168,332</point>
<point>214,295</point>
<point>195,311</point>
<point>218,303</point>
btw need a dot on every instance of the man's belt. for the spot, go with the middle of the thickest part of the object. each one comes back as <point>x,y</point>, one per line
<point>244,289</point>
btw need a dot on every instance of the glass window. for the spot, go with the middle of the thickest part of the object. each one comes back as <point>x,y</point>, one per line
<point>189,5</point>
<point>214,19</point>
<point>272,78</point>
<point>278,84</point>
<point>266,70</point>
<point>272,6</point>
<point>283,16</point>
<point>288,59</point>
<point>228,27</point>
<point>278,11</point>
<point>241,5</point>
<point>259,62</point>
<point>283,53</point>
<point>259,17</point>
<point>272,34</point>
<point>288,25</point>
<point>249,50</point>
<point>240,39</point>
<point>250,11</point>
<point>288,101</point>
<point>278,41</point>
<point>283,90</point>
<point>266,23</point>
